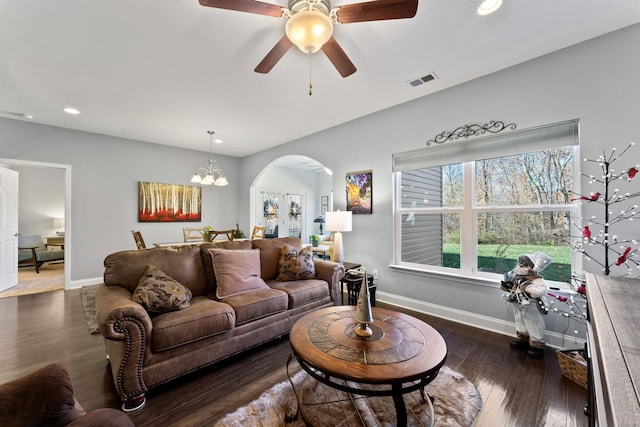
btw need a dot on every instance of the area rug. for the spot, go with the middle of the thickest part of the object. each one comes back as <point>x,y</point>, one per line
<point>456,403</point>
<point>88,297</point>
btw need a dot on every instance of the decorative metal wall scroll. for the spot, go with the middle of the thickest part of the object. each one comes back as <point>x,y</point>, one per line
<point>466,131</point>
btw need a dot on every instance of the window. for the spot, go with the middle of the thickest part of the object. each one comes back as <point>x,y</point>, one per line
<point>470,208</point>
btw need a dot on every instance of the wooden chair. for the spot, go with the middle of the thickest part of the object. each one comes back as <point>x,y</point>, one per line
<point>215,233</point>
<point>258,232</point>
<point>137,236</point>
<point>193,233</point>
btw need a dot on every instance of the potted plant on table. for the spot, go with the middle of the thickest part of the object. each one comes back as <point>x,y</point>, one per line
<point>315,240</point>
<point>238,234</point>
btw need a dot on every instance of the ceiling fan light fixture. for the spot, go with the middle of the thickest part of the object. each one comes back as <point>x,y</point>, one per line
<point>489,6</point>
<point>309,30</point>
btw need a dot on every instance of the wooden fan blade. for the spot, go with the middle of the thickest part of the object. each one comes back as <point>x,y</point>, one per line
<point>338,58</point>
<point>250,6</point>
<point>274,55</point>
<point>379,10</point>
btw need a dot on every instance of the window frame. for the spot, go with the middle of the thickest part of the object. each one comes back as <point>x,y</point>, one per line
<point>517,143</point>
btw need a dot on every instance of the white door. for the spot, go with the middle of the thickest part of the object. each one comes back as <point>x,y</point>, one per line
<point>269,203</point>
<point>295,211</point>
<point>8,228</point>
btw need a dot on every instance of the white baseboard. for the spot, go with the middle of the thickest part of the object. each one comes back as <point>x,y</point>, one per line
<point>75,284</point>
<point>500,326</point>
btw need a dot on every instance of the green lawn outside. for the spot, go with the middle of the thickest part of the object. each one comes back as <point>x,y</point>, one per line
<point>490,259</point>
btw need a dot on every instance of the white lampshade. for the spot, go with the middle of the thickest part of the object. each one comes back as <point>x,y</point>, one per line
<point>221,182</point>
<point>58,224</point>
<point>309,30</point>
<point>338,221</point>
<point>208,180</point>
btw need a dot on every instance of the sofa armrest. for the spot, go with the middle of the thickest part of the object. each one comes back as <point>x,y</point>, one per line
<point>127,330</point>
<point>115,311</point>
<point>332,273</point>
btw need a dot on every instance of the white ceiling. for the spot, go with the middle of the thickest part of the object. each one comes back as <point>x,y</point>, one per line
<point>166,71</point>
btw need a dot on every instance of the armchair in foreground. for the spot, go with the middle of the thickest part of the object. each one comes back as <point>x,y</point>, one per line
<point>45,398</point>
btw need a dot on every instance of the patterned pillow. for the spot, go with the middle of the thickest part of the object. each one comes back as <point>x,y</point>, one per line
<point>237,271</point>
<point>160,293</point>
<point>296,264</point>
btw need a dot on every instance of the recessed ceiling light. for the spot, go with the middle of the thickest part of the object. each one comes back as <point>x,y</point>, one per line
<point>489,6</point>
<point>71,110</point>
<point>19,115</point>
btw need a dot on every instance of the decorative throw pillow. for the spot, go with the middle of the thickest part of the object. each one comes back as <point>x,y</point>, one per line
<point>160,293</point>
<point>296,264</point>
<point>237,271</point>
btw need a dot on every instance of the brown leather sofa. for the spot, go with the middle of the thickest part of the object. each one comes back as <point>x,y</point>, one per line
<point>45,398</point>
<point>146,349</point>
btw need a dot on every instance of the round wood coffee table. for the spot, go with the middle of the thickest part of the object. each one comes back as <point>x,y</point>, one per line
<point>404,354</point>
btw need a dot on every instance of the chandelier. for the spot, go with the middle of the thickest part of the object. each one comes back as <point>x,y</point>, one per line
<point>210,173</point>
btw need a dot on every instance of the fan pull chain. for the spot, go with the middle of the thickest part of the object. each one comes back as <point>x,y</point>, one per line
<point>310,85</point>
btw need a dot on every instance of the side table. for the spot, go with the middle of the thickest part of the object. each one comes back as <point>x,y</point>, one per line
<point>354,283</point>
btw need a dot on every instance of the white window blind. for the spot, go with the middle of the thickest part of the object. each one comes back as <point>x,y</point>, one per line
<point>554,135</point>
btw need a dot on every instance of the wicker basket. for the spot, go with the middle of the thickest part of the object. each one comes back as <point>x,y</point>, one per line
<point>573,366</point>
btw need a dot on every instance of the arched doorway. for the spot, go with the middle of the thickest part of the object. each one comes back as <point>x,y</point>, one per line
<point>289,194</point>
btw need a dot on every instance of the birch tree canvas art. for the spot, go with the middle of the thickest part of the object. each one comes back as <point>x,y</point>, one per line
<point>169,202</point>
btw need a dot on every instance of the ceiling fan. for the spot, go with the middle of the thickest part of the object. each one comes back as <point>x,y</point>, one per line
<point>310,25</point>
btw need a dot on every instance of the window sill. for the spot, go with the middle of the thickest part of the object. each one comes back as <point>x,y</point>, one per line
<point>478,280</point>
<point>461,278</point>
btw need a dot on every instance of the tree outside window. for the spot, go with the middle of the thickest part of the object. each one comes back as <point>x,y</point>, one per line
<point>478,216</point>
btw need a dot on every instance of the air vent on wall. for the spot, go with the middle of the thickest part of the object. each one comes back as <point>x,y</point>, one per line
<point>422,80</point>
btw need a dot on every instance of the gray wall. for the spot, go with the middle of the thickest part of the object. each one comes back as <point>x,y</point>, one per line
<point>596,82</point>
<point>104,188</point>
<point>42,197</point>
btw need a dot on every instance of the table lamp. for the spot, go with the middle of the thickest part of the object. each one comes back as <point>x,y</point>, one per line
<point>59,224</point>
<point>337,222</point>
<point>319,220</point>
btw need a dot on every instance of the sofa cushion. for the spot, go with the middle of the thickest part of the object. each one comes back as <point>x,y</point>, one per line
<point>207,262</point>
<point>295,264</point>
<point>160,293</point>
<point>183,263</point>
<point>270,254</point>
<point>236,271</point>
<point>301,292</point>
<point>43,397</point>
<point>257,303</point>
<point>204,318</point>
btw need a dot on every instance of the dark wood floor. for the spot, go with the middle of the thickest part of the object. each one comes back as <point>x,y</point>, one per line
<point>42,328</point>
